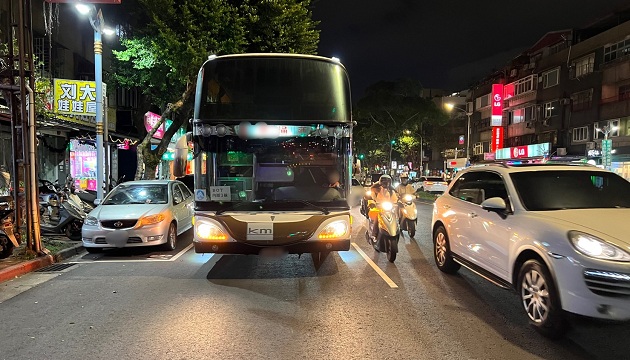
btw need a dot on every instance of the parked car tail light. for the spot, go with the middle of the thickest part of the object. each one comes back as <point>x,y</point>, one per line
<point>151,219</point>
<point>208,231</point>
<point>334,230</point>
<point>595,247</point>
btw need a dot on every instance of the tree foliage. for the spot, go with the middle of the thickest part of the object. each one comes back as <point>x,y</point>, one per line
<point>165,49</point>
<point>395,111</point>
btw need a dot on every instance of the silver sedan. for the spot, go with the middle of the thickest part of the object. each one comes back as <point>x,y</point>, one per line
<point>139,213</point>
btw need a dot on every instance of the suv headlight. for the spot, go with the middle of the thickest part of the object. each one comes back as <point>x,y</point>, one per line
<point>90,221</point>
<point>597,248</point>
<point>334,230</point>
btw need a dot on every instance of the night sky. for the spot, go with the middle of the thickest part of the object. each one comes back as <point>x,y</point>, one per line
<point>444,44</point>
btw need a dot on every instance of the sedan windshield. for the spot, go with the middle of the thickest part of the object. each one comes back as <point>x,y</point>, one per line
<point>138,194</point>
<point>559,190</point>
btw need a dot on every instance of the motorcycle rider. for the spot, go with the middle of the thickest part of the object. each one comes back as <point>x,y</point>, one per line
<point>404,187</point>
<point>382,191</point>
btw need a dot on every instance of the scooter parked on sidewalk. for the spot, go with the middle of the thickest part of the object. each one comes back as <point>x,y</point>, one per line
<point>60,216</point>
<point>8,241</point>
<point>408,215</point>
<point>386,240</point>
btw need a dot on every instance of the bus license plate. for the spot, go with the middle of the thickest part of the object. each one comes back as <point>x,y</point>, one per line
<point>272,252</point>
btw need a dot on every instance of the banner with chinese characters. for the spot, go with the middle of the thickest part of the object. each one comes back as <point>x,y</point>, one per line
<point>75,101</point>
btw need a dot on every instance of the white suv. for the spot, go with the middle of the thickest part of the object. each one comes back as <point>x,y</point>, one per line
<point>554,233</point>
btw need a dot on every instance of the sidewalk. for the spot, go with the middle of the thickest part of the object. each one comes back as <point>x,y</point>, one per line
<point>18,264</point>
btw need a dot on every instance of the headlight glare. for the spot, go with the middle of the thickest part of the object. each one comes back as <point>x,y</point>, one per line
<point>334,230</point>
<point>595,247</point>
<point>208,231</point>
<point>387,206</point>
<point>408,198</point>
<point>152,219</point>
<point>90,221</point>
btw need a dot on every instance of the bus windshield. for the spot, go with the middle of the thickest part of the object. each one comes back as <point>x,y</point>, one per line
<point>273,88</point>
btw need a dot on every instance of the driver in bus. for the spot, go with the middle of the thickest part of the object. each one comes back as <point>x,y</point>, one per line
<point>333,180</point>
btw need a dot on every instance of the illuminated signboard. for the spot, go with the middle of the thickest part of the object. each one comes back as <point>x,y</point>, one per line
<point>151,119</point>
<point>497,138</point>
<point>497,105</point>
<point>525,151</point>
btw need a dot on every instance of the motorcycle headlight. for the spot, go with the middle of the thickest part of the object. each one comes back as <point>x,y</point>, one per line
<point>595,247</point>
<point>209,231</point>
<point>334,230</point>
<point>408,198</point>
<point>90,221</point>
<point>387,206</point>
<point>368,193</point>
<point>152,219</point>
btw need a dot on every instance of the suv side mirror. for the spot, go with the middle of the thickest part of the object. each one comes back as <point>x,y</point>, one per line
<point>495,204</point>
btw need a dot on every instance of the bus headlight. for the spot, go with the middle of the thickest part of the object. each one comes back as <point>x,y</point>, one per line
<point>208,231</point>
<point>334,230</point>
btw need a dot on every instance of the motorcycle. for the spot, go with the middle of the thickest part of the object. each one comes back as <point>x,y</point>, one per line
<point>8,240</point>
<point>409,215</point>
<point>59,215</point>
<point>386,240</point>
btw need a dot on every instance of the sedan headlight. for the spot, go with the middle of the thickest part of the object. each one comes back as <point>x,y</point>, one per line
<point>151,219</point>
<point>209,231</point>
<point>90,221</point>
<point>595,247</point>
<point>334,230</point>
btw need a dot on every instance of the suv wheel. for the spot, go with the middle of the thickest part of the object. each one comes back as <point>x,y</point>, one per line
<point>442,252</point>
<point>540,299</point>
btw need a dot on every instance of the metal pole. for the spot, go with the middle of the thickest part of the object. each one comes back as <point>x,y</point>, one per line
<point>106,141</point>
<point>98,77</point>
<point>34,201</point>
<point>421,156</point>
<point>467,136</point>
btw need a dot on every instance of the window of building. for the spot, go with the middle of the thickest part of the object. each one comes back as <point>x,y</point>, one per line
<point>607,125</point>
<point>550,109</point>
<point>483,101</point>
<point>584,65</point>
<point>523,114</point>
<point>525,84</point>
<point>624,92</point>
<point>551,78</point>
<point>582,100</point>
<point>580,134</point>
<point>478,148</point>
<point>616,50</point>
<point>127,98</point>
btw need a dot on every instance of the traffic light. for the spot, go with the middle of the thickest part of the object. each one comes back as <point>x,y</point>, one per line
<point>361,156</point>
<point>393,142</point>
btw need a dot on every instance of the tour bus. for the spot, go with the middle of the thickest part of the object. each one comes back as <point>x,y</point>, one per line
<point>272,149</point>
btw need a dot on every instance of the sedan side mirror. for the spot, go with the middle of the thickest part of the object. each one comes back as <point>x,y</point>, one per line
<point>97,202</point>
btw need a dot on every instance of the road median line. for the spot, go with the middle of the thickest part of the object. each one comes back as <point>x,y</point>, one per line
<point>378,270</point>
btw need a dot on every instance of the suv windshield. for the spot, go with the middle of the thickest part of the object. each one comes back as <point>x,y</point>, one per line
<point>138,194</point>
<point>559,190</point>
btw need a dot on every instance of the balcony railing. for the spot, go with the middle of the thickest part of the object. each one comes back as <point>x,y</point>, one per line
<point>616,98</point>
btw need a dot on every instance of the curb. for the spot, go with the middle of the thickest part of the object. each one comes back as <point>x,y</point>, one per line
<point>28,266</point>
<point>69,252</point>
<point>25,267</point>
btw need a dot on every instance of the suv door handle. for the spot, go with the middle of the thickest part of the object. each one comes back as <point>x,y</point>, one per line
<point>472,215</point>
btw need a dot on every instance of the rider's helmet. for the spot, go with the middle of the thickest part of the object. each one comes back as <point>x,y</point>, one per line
<point>404,179</point>
<point>385,180</point>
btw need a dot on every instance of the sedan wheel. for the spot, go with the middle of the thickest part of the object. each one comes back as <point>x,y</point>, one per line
<point>442,252</point>
<point>540,299</point>
<point>171,240</point>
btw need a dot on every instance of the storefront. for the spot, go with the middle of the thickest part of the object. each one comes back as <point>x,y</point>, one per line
<point>83,164</point>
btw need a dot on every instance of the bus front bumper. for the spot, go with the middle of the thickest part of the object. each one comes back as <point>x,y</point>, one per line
<point>222,247</point>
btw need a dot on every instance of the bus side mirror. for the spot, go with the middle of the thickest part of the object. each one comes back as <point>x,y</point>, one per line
<point>180,161</point>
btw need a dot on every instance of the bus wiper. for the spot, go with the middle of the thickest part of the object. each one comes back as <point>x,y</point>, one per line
<point>231,207</point>
<point>317,207</point>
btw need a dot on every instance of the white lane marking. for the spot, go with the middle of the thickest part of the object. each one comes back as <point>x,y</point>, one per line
<point>173,258</point>
<point>378,270</point>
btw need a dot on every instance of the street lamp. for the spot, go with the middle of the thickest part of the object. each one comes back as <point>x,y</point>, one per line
<point>98,24</point>
<point>607,144</point>
<point>450,107</point>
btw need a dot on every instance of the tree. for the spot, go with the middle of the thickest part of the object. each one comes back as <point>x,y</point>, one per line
<point>163,53</point>
<point>392,116</point>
